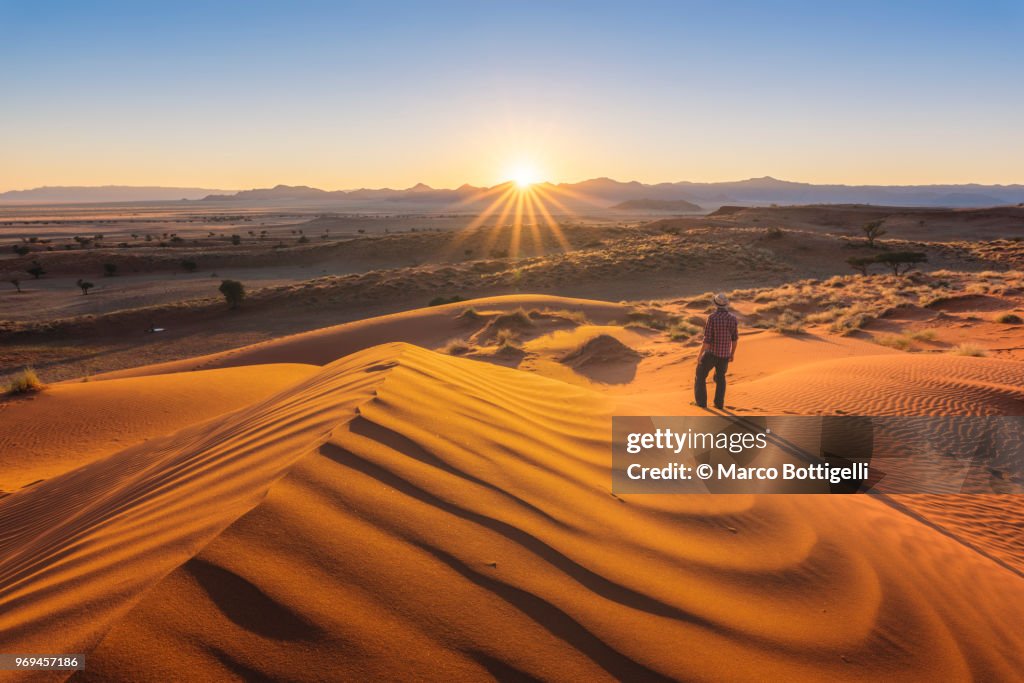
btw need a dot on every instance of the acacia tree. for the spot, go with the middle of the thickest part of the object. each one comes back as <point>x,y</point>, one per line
<point>36,270</point>
<point>901,261</point>
<point>873,231</point>
<point>233,291</point>
<point>861,263</point>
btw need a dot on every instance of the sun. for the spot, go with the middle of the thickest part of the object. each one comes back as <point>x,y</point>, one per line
<point>524,176</point>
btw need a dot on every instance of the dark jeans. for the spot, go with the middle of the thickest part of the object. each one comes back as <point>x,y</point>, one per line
<point>700,389</point>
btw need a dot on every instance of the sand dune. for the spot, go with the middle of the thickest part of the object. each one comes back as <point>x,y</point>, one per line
<point>79,548</point>
<point>429,327</point>
<point>399,510</point>
<point>346,519</point>
<point>892,384</point>
<point>75,423</point>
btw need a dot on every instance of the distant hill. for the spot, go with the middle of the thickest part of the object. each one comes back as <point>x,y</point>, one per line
<point>597,193</point>
<point>600,193</point>
<point>106,193</point>
<point>680,205</point>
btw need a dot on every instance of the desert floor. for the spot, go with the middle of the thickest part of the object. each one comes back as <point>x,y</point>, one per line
<point>425,493</point>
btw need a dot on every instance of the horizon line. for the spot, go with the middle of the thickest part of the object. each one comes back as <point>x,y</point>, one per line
<point>505,182</point>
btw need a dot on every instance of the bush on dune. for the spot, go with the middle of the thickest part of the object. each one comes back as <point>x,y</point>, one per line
<point>788,322</point>
<point>25,382</point>
<point>470,314</point>
<point>683,331</point>
<point>518,319</point>
<point>456,347</point>
<point>893,341</point>
<point>968,349</point>
<point>507,342</point>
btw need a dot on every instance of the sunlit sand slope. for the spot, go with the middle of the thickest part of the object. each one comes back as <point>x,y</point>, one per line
<point>891,384</point>
<point>77,550</point>
<point>68,425</point>
<point>428,327</point>
<point>448,519</point>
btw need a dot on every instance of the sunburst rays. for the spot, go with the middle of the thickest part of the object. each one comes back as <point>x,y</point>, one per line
<point>526,211</point>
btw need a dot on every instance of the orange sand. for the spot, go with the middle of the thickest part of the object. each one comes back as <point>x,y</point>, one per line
<point>72,424</point>
<point>400,514</point>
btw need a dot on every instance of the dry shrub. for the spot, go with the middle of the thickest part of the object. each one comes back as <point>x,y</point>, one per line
<point>924,335</point>
<point>25,382</point>
<point>456,347</point>
<point>682,331</point>
<point>788,322</point>
<point>507,342</point>
<point>968,349</point>
<point>894,341</point>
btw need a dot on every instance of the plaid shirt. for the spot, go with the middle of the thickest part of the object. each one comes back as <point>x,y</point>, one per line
<point>720,331</point>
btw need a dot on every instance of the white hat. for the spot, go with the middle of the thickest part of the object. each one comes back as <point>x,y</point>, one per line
<point>721,299</point>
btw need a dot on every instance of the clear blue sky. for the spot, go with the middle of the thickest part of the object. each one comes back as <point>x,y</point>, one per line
<point>235,95</point>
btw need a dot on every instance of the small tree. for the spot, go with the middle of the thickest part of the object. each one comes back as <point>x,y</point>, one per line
<point>36,270</point>
<point>16,282</point>
<point>861,263</point>
<point>873,231</point>
<point>901,261</point>
<point>236,240</point>
<point>85,286</point>
<point>189,265</point>
<point>233,291</point>
<point>21,249</point>
<point>109,269</point>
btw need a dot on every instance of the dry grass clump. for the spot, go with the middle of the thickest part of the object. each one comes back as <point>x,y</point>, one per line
<point>578,317</point>
<point>904,341</point>
<point>853,319</point>
<point>968,349</point>
<point>894,341</point>
<point>650,318</point>
<point>683,331</point>
<point>826,316</point>
<point>25,382</point>
<point>508,342</point>
<point>456,347</point>
<point>518,319</point>
<point>1009,319</point>
<point>928,335</point>
<point>469,314</point>
<point>788,322</point>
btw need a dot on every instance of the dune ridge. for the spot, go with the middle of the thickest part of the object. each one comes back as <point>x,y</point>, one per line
<point>78,549</point>
<point>72,424</point>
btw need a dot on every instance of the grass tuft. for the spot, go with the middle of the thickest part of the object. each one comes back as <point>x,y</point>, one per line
<point>25,382</point>
<point>968,349</point>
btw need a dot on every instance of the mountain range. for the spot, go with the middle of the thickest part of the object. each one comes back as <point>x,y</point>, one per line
<point>598,193</point>
<point>105,193</point>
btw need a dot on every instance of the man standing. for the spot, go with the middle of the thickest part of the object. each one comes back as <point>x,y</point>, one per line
<point>720,339</point>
